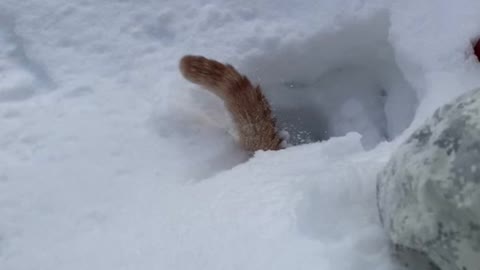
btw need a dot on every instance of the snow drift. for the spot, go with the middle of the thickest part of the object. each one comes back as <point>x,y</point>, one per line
<point>109,160</point>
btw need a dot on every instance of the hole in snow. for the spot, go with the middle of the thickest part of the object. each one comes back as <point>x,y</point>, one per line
<point>337,82</point>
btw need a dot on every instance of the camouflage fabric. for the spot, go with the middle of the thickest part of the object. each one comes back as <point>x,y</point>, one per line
<point>429,192</point>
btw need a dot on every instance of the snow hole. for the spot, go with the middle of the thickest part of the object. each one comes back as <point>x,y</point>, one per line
<point>337,81</point>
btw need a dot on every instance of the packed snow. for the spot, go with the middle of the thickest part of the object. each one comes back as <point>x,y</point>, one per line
<point>110,160</point>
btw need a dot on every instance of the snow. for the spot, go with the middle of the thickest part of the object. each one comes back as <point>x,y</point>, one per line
<point>362,87</point>
<point>110,160</point>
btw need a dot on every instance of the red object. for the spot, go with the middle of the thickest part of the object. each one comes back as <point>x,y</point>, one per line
<point>476,49</point>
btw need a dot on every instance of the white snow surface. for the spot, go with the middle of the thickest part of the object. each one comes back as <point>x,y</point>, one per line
<point>110,160</point>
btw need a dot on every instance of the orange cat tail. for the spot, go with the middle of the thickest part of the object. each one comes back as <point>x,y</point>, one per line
<point>246,103</point>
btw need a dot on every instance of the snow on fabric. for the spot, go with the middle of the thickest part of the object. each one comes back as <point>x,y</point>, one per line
<point>428,194</point>
<point>109,160</point>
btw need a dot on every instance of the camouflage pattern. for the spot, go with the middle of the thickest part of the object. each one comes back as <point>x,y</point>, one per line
<point>429,192</point>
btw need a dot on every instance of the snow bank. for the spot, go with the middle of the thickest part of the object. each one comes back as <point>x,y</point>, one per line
<point>433,47</point>
<point>110,160</point>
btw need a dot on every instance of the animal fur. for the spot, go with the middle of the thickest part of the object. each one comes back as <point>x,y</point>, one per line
<point>246,103</point>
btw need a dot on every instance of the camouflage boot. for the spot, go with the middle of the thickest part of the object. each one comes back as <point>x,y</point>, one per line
<point>429,192</point>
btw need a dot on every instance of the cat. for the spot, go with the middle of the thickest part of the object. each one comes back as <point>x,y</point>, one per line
<point>248,106</point>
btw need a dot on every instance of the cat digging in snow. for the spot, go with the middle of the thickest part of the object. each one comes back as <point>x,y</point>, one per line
<point>248,106</point>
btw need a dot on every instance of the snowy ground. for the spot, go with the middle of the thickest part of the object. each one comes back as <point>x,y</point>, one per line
<point>110,160</point>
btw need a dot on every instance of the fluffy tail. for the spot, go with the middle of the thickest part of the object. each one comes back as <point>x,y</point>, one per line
<point>246,103</point>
